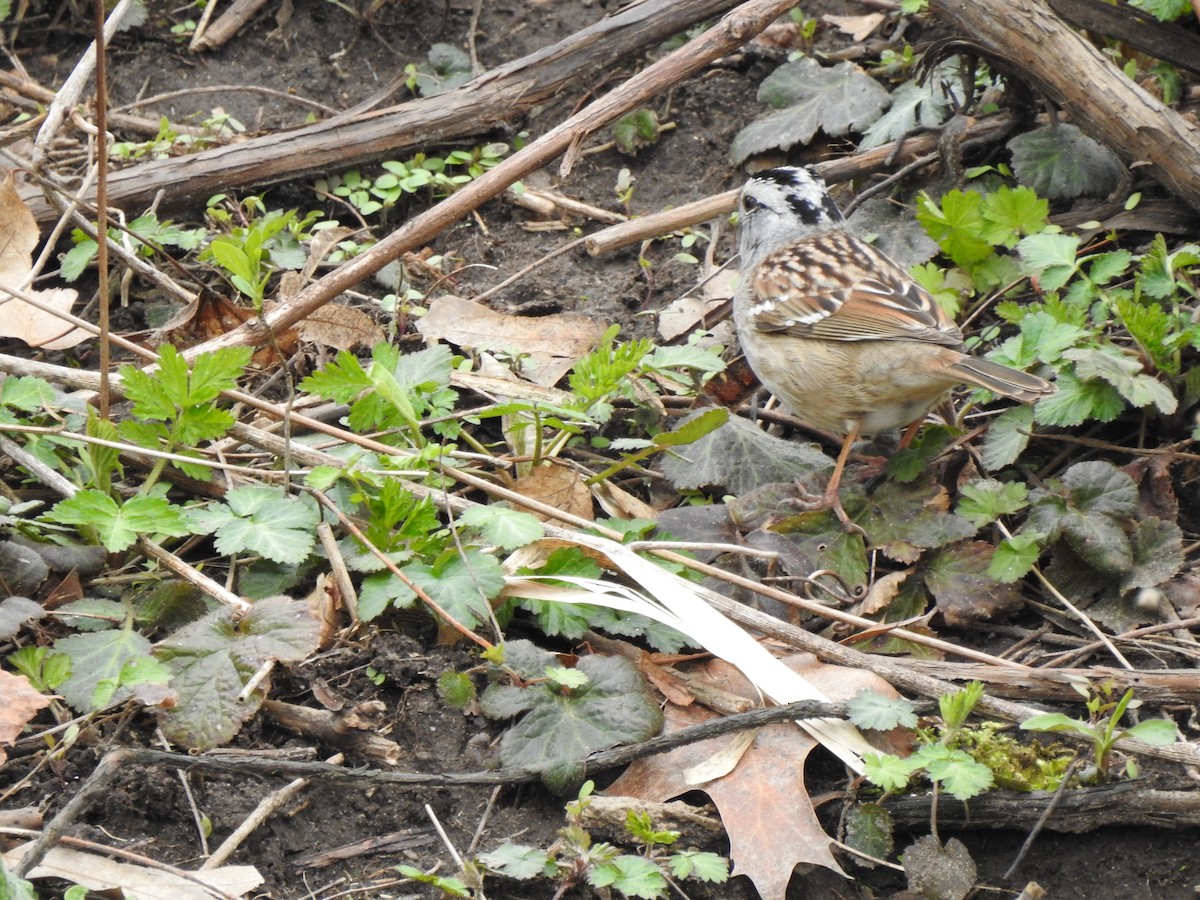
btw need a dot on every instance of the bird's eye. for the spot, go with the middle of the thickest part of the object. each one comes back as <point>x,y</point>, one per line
<point>749,204</point>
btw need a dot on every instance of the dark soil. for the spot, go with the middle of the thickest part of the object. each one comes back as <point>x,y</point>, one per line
<point>322,52</point>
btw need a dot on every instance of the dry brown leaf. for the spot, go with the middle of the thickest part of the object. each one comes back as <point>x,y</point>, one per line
<point>763,802</point>
<point>883,592</point>
<point>858,27</point>
<point>341,327</point>
<point>548,345</point>
<point>19,703</point>
<point>99,873</point>
<point>557,486</point>
<point>18,319</point>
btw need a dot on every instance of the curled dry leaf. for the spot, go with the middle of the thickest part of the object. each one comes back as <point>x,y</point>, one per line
<point>36,326</point>
<point>548,345</point>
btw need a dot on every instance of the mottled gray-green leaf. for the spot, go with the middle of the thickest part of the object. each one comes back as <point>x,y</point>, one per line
<point>810,98</point>
<point>561,727</point>
<point>212,659</point>
<point>869,829</point>
<point>741,457</point>
<point>965,594</point>
<point>1060,162</point>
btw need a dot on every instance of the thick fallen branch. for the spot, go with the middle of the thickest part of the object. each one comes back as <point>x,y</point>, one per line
<point>1085,83</point>
<point>494,98</point>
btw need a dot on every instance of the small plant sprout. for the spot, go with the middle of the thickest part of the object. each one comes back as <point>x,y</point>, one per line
<point>1102,727</point>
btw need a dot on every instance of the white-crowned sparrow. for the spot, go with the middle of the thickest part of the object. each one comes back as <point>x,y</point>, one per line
<point>841,334</point>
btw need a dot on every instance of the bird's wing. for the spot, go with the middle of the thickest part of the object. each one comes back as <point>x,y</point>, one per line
<point>833,286</point>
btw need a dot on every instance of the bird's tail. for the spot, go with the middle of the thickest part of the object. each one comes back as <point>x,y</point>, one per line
<point>1003,380</point>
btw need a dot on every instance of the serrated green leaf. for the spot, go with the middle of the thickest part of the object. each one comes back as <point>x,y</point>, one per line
<point>741,457</point>
<point>1015,557</point>
<point>260,519</point>
<point>810,98</point>
<point>97,662</point>
<point>903,518</point>
<point>212,659</point>
<point>1060,162</point>
<point>215,372</point>
<point>340,381</point>
<point>917,105</point>
<point>1077,401</point>
<point>1157,554</point>
<point>870,830</point>
<point>1007,437</point>
<point>119,526</point>
<point>519,861</point>
<point>701,865</point>
<point>961,776</point>
<point>983,502</point>
<point>956,222</point>
<point>1107,363</point>
<point>870,709</point>
<point>560,728</point>
<point>27,393</point>
<point>506,528</point>
<point>461,585</point>
<point>633,876</point>
<point>1049,256</point>
<point>1010,213</point>
<point>1164,10</point>
<point>886,771</point>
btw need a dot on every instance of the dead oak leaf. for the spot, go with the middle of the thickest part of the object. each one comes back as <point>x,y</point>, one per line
<point>19,702</point>
<point>37,326</point>
<point>763,802</point>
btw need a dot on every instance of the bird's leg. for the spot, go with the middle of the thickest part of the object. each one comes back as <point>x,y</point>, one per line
<point>909,433</point>
<point>832,500</point>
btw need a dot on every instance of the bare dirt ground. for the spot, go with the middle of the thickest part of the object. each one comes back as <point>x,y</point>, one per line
<point>324,53</point>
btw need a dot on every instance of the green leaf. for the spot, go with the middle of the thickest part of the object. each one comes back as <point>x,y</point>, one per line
<point>1164,10</point>
<point>1010,213</point>
<point>120,526</point>
<point>699,864</point>
<point>1007,437</point>
<point>340,381</point>
<point>917,105</point>
<point>1056,722</point>
<point>27,393</point>
<point>1125,373</point>
<point>1158,732</point>
<point>215,372</point>
<point>1015,557</point>
<point>870,830</point>
<point>212,659</point>
<point>563,727</point>
<point>957,224</point>
<point>1051,257</point>
<point>983,502</point>
<point>519,861</point>
<point>1060,162</point>
<point>902,519</point>
<point>105,666</point>
<point>960,775</point>
<point>462,585</point>
<point>959,579</point>
<point>260,519</point>
<point>633,876</point>
<point>1160,267</point>
<point>1077,401</point>
<point>886,771</point>
<point>506,528</point>
<point>869,709</point>
<point>810,98</point>
<point>1157,553</point>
